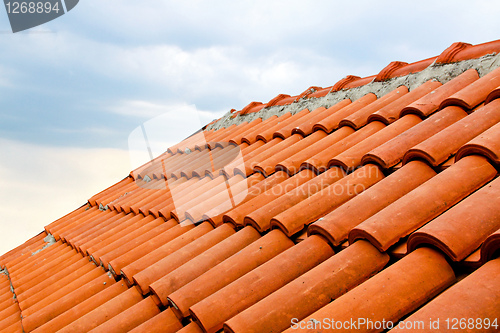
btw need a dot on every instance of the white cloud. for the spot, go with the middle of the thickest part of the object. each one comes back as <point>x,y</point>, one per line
<point>40,184</point>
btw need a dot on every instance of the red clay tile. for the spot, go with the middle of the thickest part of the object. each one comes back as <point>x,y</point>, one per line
<point>101,240</point>
<point>392,112</point>
<point>136,253</point>
<point>311,291</point>
<point>235,216</point>
<point>41,300</point>
<point>448,55</point>
<point>260,217</point>
<point>249,159</point>
<point>104,312</point>
<point>424,203</point>
<point>486,144</point>
<point>176,259</point>
<point>322,202</point>
<point>211,312</point>
<point>252,256</point>
<point>360,82</point>
<point>473,301</point>
<point>335,226</point>
<point>478,51</point>
<point>360,118</point>
<point>37,259</point>
<point>75,239</point>
<point>290,125</point>
<point>82,230</point>
<point>249,165</point>
<point>54,309</point>
<point>268,166</point>
<point>11,323</point>
<point>54,225</point>
<point>351,158</point>
<point>251,137</point>
<point>126,234</point>
<point>49,265</point>
<point>406,285</point>
<point>225,199</point>
<point>414,67</point>
<point>439,147</point>
<point>340,140</point>
<point>137,239</point>
<point>96,199</point>
<point>13,309</point>
<point>306,126</point>
<point>191,328</point>
<point>194,195</point>
<point>475,93</point>
<point>252,107</point>
<point>291,165</point>
<point>164,322</point>
<point>82,308</point>
<point>343,82</point>
<point>254,130</point>
<point>391,153</point>
<point>491,247</point>
<point>91,212</point>
<point>161,252</point>
<point>70,272</point>
<point>283,125</point>
<point>241,130</point>
<point>493,95</point>
<point>386,73</point>
<point>430,103</point>
<point>60,284</point>
<point>129,318</point>
<point>214,215</point>
<point>276,99</point>
<point>200,264</point>
<point>286,130</point>
<point>462,229</point>
<point>331,122</point>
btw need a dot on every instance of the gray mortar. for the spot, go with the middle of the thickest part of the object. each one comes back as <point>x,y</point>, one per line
<point>49,239</point>
<point>442,73</point>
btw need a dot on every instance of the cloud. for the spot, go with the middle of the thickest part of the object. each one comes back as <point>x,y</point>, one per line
<point>39,184</point>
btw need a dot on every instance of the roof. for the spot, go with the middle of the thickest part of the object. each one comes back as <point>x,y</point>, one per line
<point>371,202</point>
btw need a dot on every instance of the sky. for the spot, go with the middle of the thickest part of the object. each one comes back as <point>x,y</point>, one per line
<point>73,90</point>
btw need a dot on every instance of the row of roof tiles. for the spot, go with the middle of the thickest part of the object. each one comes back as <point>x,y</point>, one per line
<point>328,207</point>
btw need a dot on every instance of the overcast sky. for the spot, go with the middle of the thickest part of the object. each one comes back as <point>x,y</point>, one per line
<point>73,89</point>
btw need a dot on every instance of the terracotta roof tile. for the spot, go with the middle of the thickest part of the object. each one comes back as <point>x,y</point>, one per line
<point>391,153</point>
<point>475,93</point>
<point>336,225</point>
<point>462,229</point>
<point>486,144</point>
<point>211,312</point>
<point>164,322</point>
<point>432,101</point>
<point>406,285</point>
<point>476,296</point>
<point>331,122</point>
<point>425,202</point>
<point>336,143</point>
<point>439,147</point>
<point>360,118</point>
<point>408,173</point>
<point>392,112</point>
<point>311,291</point>
<point>252,256</point>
